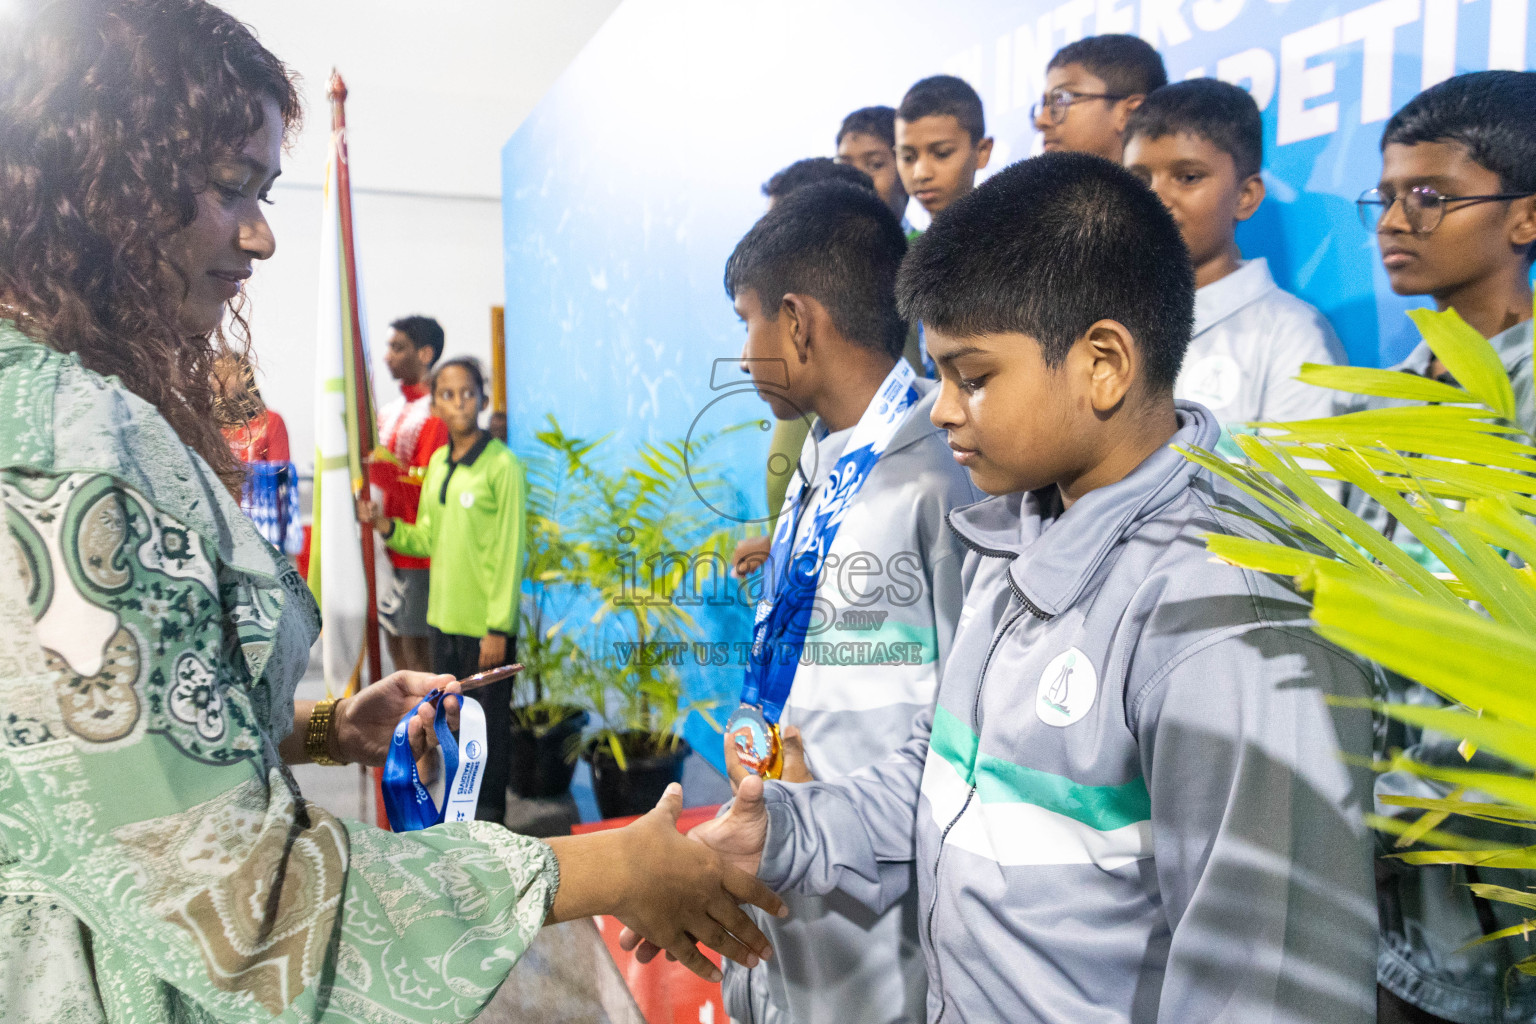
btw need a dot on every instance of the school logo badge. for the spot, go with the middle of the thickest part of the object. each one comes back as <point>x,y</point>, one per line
<point>1068,687</point>
<point>467,499</point>
<point>1213,381</point>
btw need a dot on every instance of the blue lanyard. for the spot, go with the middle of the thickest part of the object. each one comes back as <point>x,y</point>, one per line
<point>406,800</point>
<point>784,613</point>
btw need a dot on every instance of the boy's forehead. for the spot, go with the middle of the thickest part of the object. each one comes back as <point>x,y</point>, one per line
<point>746,302</point>
<point>1433,162</point>
<point>857,143</point>
<point>943,345</point>
<point>1075,77</point>
<point>930,129</point>
<point>1175,147</point>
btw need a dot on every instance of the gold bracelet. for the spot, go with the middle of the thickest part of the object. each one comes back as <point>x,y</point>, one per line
<point>317,736</point>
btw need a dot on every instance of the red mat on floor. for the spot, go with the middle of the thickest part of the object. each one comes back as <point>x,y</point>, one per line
<point>666,992</point>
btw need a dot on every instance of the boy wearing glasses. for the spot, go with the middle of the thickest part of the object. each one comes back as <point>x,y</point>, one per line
<point>1455,218</point>
<point>1455,212</point>
<point>1200,144</point>
<point>1091,87</point>
<point>941,141</point>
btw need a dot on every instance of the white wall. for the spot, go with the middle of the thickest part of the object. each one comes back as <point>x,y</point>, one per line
<point>435,90</point>
<point>416,254</point>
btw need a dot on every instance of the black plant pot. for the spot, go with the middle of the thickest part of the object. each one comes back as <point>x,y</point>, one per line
<point>542,764</point>
<point>623,793</point>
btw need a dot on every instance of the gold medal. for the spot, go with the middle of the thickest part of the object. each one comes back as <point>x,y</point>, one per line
<point>756,740</point>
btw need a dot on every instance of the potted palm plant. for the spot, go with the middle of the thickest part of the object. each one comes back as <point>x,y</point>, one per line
<point>650,542</point>
<point>547,714</point>
<point>1450,463</point>
<point>616,549</point>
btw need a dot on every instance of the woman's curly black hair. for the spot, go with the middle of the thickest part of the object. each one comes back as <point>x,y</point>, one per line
<point>111,112</point>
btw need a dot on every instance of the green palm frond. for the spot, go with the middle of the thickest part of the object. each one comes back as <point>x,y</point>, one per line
<point>1449,463</point>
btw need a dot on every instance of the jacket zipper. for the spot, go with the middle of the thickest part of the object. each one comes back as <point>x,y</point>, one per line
<point>1030,608</point>
<point>938,969</point>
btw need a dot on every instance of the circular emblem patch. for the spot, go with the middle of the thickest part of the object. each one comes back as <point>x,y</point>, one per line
<point>467,499</point>
<point>1213,381</point>
<point>472,750</point>
<point>1068,687</point>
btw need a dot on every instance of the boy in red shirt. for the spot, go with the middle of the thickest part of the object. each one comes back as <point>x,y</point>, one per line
<point>408,435</point>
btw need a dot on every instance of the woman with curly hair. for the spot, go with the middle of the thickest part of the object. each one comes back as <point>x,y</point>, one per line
<point>157,861</point>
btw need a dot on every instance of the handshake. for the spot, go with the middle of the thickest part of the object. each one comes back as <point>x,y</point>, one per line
<point>671,892</point>
<point>736,838</point>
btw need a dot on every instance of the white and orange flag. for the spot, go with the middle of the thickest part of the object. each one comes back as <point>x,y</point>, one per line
<point>341,566</point>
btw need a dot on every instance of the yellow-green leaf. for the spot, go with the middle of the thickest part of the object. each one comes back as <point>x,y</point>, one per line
<point>1362,380</point>
<point>1469,358</point>
<point>1488,667</point>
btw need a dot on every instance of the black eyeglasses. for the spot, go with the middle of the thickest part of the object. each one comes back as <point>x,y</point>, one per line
<point>1057,101</point>
<point>1423,207</point>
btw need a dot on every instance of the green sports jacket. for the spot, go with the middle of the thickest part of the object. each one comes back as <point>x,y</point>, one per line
<point>470,521</point>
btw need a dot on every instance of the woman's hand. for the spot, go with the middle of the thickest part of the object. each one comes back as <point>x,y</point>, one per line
<point>672,890</point>
<point>365,723</point>
<point>737,836</point>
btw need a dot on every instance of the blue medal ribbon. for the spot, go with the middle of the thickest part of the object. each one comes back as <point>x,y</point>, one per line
<point>784,613</point>
<point>407,801</point>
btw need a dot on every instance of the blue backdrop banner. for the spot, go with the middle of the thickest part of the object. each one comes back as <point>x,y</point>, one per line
<point>628,186</point>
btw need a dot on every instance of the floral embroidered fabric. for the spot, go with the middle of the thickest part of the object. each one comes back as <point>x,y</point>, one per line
<point>157,861</point>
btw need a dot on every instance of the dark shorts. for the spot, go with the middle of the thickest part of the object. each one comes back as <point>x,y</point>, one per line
<point>403,604</point>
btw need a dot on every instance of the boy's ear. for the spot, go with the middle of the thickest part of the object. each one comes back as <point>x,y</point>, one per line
<point>983,152</point>
<point>796,319</point>
<point>1122,111</point>
<point>1114,363</point>
<point>1523,223</point>
<point>1250,194</point>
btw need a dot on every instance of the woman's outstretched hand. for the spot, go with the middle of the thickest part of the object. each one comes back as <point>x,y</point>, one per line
<point>669,889</point>
<point>738,836</point>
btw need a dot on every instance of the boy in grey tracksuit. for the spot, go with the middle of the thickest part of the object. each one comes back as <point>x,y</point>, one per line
<point>888,593</point>
<point>1130,803</point>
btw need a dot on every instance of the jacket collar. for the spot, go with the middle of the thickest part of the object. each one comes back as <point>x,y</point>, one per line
<point>474,452</point>
<point>1220,299</point>
<point>1053,553</point>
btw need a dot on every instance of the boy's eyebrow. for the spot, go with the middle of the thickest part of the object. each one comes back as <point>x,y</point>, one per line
<point>960,353</point>
<point>1439,182</point>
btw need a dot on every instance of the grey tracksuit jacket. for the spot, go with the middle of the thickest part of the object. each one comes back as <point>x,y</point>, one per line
<point>1129,803</point>
<point>886,607</point>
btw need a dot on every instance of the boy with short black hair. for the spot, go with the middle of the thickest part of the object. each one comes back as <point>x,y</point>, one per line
<point>867,140</point>
<point>1131,802</point>
<point>408,435</point>
<point>870,563</point>
<point>941,141</point>
<point>1091,87</point>
<point>1200,145</point>
<point>1455,219</point>
<point>810,171</point>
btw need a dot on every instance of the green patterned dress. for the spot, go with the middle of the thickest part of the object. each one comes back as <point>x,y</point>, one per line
<point>157,862</point>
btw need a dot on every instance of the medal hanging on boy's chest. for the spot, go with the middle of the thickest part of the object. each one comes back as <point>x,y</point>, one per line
<point>794,562</point>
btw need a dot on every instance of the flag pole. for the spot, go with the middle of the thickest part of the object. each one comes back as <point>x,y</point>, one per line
<point>337,93</point>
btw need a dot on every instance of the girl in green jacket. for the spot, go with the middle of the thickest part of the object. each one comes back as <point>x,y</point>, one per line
<point>470,521</point>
